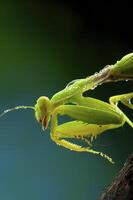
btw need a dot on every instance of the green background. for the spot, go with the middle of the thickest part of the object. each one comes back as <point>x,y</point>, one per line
<point>43,46</point>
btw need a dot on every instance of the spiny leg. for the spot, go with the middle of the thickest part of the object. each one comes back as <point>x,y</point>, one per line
<point>67,144</point>
<point>78,148</point>
<point>126,100</point>
<point>87,141</point>
<point>65,131</point>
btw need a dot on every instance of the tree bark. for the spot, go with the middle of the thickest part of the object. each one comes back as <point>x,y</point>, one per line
<point>122,186</point>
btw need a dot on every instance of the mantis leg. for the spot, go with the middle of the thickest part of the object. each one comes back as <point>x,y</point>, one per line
<point>78,148</point>
<point>64,131</point>
<point>126,100</point>
<point>81,129</point>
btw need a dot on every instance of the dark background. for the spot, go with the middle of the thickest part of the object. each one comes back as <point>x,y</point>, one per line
<point>43,46</point>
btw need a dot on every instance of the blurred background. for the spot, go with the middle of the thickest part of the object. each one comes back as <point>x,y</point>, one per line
<point>43,46</point>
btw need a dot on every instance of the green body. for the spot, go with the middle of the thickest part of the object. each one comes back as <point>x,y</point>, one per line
<point>89,117</point>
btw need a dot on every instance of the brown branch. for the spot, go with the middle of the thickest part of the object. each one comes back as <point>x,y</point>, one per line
<point>122,186</point>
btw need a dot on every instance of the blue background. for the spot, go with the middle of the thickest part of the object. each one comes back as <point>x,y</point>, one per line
<point>43,46</point>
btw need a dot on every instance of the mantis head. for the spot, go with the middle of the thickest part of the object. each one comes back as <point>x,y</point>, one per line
<point>41,108</point>
<point>42,111</point>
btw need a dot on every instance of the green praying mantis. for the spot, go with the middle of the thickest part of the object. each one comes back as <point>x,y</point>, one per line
<point>89,117</point>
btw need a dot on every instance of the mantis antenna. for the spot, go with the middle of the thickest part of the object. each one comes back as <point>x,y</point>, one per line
<point>16,108</point>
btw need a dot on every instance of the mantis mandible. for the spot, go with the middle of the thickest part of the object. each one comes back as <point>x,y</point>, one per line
<point>89,117</point>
